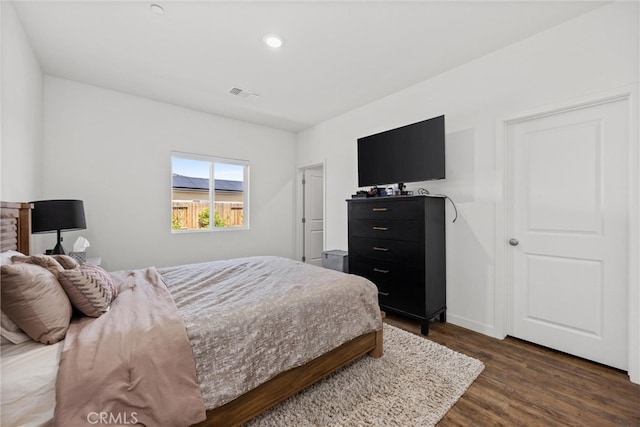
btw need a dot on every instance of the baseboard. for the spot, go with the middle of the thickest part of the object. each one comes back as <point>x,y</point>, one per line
<point>489,330</point>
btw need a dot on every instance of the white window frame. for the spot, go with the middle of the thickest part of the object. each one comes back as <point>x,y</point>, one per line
<point>212,161</point>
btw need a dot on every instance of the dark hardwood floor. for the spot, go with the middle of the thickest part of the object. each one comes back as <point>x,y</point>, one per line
<point>528,385</point>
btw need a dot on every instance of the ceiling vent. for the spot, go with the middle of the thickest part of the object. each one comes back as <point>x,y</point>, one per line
<point>239,92</point>
<point>242,93</point>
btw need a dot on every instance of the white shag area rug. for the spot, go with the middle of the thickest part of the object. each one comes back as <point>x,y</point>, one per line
<point>415,383</point>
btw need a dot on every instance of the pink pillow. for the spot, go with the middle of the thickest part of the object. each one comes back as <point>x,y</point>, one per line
<point>45,261</point>
<point>34,300</point>
<point>66,261</point>
<point>89,288</point>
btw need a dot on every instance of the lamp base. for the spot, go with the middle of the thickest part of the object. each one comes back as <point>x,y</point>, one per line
<point>58,250</point>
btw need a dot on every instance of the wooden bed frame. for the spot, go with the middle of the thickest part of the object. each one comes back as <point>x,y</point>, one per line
<point>15,235</point>
<point>288,383</point>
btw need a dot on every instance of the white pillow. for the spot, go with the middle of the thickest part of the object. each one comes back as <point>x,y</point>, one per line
<point>5,257</point>
<point>10,331</point>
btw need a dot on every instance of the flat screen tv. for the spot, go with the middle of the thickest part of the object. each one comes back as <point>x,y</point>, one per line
<point>409,153</point>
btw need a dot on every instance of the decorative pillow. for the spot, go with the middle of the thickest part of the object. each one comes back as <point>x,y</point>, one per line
<point>34,300</point>
<point>5,257</point>
<point>89,288</point>
<point>10,330</point>
<point>66,261</point>
<point>45,261</point>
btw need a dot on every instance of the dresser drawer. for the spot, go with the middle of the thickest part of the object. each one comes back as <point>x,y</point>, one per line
<point>387,249</point>
<point>387,229</point>
<point>397,273</point>
<point>397,209</point>
<point>401,299</point>
<point>400,285</point>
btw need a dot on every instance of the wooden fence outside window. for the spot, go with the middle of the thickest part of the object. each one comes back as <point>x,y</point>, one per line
<point>187,215</point>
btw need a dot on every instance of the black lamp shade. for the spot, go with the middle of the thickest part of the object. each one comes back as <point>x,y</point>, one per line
<point>57,215</point>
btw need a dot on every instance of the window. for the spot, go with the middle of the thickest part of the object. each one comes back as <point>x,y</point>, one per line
<point>204,184</point>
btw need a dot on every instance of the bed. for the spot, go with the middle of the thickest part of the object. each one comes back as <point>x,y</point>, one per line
<point>234,405</point>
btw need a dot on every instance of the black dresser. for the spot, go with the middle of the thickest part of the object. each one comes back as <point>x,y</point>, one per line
<point>399,244</point>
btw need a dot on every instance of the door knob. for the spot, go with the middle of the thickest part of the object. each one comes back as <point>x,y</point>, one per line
<point>514,242</point>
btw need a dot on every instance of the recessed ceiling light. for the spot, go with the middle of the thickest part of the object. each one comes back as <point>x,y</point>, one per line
<point>273,40</point>
<point>157,9</point>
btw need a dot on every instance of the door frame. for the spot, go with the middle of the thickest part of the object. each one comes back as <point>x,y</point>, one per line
<point>504,169</point>
<point>299,228</point>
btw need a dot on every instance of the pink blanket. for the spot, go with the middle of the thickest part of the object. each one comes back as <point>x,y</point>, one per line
<point>133,365</point>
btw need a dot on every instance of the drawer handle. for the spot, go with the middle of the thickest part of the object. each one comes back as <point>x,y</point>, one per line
<point>386,294</point>
<point>378,270</point>
<point>376,248</point>
<point>381,228</point>
<point>380,209</point>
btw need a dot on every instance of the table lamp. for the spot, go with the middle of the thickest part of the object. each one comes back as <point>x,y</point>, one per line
<point>48,216</point>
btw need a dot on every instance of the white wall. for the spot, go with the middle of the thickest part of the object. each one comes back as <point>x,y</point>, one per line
<point>21,112</point>
<point>108,148</point>
<point>592,53</point>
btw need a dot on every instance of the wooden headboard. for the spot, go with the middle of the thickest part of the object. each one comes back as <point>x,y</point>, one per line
<point>15,226</point>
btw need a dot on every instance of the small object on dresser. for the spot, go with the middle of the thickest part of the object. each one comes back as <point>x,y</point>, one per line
<point>81,257</point>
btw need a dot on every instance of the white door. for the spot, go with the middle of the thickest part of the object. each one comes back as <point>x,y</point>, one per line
<point>568,206</point>
<point>313,216</point>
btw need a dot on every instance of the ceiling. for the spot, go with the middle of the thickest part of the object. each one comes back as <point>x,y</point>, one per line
<point>337,56</point>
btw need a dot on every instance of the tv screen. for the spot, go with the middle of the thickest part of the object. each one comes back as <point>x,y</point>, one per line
<point>410,153</point>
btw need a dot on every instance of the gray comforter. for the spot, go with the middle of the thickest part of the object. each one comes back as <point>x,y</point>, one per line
<point>249,319</point>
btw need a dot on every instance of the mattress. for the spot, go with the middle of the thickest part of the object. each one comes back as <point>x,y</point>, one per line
<point>28,383</point>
